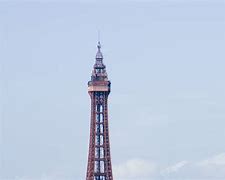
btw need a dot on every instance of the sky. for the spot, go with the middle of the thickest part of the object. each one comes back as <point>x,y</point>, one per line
<point>165,60</point>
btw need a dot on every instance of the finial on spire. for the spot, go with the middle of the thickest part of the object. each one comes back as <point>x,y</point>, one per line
<point>99,45</point>
<point>99,53</point>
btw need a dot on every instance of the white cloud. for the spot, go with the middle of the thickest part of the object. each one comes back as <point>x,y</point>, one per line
<point>175,168</point>
<point>210,168</point>
<point>213,167</point>
<point>218,160</point>
<point>134,169</point>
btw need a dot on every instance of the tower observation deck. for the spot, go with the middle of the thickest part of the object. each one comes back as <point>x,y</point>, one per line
<point>99,159</point>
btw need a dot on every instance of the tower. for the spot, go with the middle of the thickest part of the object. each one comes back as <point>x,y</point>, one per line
<point>99,160</point>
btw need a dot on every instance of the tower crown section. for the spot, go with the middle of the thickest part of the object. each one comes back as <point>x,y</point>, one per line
<point>99,78</point>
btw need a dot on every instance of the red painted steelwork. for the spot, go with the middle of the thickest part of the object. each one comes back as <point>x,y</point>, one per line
<point>99,160</point>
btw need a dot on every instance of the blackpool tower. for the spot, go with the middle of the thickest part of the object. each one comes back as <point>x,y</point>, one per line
<point>99,160</point>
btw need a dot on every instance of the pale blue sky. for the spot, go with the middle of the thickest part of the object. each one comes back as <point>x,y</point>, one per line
<point>165,59</point>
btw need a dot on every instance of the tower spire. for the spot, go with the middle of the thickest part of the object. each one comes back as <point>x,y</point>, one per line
<point>99,58</point>
<point>99,159</point>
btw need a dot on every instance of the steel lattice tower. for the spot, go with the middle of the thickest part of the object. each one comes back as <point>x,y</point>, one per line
<point>99,160</point>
